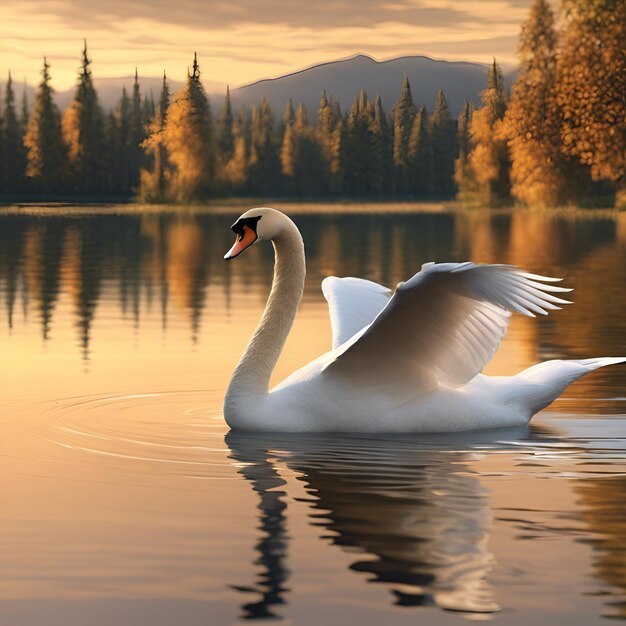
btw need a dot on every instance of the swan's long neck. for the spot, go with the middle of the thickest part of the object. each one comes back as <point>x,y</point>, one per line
<point>252,375</point>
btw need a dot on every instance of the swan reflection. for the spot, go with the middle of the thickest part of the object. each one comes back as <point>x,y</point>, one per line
<point>417,516</point>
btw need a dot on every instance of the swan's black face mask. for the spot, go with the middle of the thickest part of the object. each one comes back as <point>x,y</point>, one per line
<point>245,230</point>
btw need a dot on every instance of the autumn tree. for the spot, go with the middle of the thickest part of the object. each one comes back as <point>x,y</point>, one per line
<point>532,123</point>
<point>235,173</point>
<point>45,151</point>
<point>153,181</point>
<point>487,180</point>
<point>591,88</point>
<point>329,128</point>
<point>188,139</point>
<point>82,127</point>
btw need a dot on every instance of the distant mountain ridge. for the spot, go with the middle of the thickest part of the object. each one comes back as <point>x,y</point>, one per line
<point>343,78</point>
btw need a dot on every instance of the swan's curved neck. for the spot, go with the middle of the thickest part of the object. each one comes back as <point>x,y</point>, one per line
<point>252,375</point>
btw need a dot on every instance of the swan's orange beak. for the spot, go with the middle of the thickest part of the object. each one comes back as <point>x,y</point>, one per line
<point>244,240</point>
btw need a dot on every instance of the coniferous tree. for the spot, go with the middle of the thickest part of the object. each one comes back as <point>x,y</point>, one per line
<point>136,136</point>
<point>325,127</point>
<point>591,88</point>
<point>225,136</point>
<point>442,148</point>
<point>420,154</point>
<point>148,111</point>
<point>289,115</point>
<point>532,123</point>
<point>15,163</point>
<point>236,168</point>
<point>43,141</point>
<point>188,140</point>
<point>462,173</point>
<point>153,181</point>
<point>288,148</point>
<point>3,155</point>
<point>487,180</point>
<point>24,114</point>
<point>381,150</point>
<point>336,147</point>
<point>263,161</point>
<point>359,147</point>
<point>82,126</point>
<point>403,116</point>
<point>120,141</point>
<point>301,157</point>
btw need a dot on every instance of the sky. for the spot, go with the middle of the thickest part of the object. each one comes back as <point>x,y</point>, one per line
<point>240,41</point>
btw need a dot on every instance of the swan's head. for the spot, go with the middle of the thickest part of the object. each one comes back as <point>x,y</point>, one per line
<point>256,225</point>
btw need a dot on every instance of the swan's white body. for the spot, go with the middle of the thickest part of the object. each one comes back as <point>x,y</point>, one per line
<point>407,361</point>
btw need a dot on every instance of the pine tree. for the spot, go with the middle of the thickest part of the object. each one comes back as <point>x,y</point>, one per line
<point>263,162</point>
<point>289,116</point>
<point>153,180</point>
<point>403,116</point>
<point>3,154</point>
<point>420,154</point>
<point>381,150</point>
<point>120,142</point>
<point>487,180</point>
<point>462,173</point>
<point>43,140</point>
<point>532,123</point>
<point>301,157</point>
<point>329,137</point>
<point>359,147</point>
<point>442,148</point>
<point>82,126</point>
<point>591,88</point>
<point>188,139</point>
<point>24,114</point>
<point>15,164</point>
<point>136,135</point>
<point>236,168</point>
<point>225,137</point>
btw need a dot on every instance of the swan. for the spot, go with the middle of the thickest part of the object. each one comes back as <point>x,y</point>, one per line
<point>407,360</point>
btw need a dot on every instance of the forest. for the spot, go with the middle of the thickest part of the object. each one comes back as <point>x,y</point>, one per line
<point>558,137</point>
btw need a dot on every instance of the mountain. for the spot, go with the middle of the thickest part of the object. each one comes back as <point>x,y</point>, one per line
<point>345,78</point>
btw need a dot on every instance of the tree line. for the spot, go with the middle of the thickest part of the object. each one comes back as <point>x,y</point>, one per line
<point>558,138</point>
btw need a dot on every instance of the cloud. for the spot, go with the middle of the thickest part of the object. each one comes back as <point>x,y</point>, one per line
<point>242,40</point>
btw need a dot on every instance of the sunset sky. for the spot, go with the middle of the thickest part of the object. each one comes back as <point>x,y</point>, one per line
<point>239,41</point>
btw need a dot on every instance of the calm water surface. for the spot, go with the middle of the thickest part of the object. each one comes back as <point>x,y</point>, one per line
<point>124,499</point>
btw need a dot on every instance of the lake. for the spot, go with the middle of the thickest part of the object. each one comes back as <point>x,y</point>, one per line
<point>124,499</point>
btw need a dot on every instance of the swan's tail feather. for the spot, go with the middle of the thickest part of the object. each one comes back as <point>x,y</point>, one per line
<point>553,377</point>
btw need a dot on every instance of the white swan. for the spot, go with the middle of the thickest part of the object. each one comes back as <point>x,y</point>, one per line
<point>403,361</point>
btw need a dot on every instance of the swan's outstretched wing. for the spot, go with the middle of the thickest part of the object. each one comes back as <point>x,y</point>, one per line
<point>442,326</point>
<point>353,303</point>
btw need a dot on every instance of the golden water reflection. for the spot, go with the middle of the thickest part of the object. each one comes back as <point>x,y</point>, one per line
<point>118,334</point>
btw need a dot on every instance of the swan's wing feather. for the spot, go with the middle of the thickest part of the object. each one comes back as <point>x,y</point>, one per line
<point>442,325</point>
<point>353,303</point>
